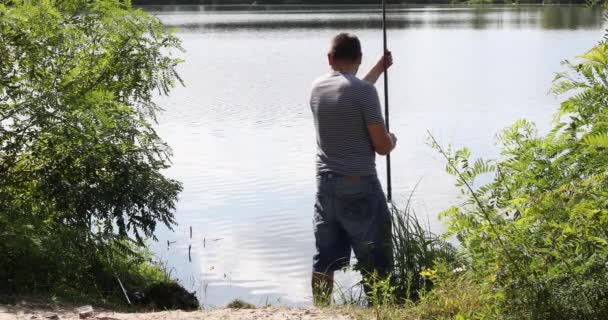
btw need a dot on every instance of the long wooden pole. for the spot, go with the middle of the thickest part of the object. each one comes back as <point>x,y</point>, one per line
<point>389,188</point>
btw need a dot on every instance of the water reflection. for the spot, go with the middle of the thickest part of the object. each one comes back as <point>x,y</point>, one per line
<point>278,18</point>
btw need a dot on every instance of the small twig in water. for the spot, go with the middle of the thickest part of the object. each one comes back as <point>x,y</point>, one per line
<point>169,243</point>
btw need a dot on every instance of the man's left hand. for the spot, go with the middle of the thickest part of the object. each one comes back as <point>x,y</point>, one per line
<point>385,61</point>
<point>382,65</point>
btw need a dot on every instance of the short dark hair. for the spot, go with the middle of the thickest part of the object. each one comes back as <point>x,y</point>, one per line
<point>345,46</point>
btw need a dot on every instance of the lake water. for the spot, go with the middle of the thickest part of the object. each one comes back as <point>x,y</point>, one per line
<point>243,137</point>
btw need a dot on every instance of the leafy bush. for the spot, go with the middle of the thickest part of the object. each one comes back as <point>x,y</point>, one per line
<point>537,233</point>
<point>80,162</point>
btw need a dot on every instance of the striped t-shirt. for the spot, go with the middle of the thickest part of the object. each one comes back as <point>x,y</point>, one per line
<point>342,107</point>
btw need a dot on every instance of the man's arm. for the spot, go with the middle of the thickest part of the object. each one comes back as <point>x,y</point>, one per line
<point>384,63</point>
<point>383,142</point>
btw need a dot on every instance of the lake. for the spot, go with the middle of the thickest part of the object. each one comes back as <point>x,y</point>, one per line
<point>243,136</point>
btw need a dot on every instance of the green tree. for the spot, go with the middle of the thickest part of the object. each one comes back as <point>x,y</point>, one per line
<point>537,233</point>
<point>80,162</point>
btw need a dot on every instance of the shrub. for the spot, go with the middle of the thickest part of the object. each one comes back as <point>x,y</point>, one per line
<point>80,163</point>
<point>537,232</point>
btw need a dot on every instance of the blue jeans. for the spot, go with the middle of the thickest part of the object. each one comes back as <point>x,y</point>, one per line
<point>351,212</point>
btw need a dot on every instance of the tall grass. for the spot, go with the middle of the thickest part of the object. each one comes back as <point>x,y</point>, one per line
<point>416,248</point>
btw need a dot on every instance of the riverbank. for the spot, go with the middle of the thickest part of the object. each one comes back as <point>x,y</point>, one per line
<point>30,311</point>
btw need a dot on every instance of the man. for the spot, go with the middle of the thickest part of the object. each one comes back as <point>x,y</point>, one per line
<point>350,209</point>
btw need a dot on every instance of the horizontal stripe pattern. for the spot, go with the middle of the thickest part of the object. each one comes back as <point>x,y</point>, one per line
<point>342,107</point>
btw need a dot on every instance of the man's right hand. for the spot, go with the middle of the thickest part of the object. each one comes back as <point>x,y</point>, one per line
<point>382,141</point>
<point>393,139</point>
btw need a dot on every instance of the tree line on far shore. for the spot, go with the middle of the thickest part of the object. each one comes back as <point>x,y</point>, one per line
<point>354,2</point>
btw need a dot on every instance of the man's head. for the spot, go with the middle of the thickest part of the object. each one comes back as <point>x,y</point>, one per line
<point>345,53</point>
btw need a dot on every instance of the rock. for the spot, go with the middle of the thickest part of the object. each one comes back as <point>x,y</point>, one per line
<point>85,312</point>
<point>170,296</point>
<point>136,297</point>
<point>52,317</point>
<point>239,304</point>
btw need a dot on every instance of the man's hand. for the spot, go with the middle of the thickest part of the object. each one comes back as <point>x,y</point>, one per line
<point>383,142</point>
<point>383,64</point>
<point>393,139</point>
<point>385,61</point>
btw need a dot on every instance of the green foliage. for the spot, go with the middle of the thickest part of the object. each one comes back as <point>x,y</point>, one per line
<point>80,161</point>
<point>380,295</point>
<point>536,234</point>
<point>456,295</point>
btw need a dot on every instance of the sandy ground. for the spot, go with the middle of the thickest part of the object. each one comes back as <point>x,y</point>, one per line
<point>11,313</point>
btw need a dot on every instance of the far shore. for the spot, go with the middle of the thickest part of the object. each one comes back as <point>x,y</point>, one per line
<point>362,6</point>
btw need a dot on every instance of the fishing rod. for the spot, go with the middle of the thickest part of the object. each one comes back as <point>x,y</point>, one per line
<point>389,188</point>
